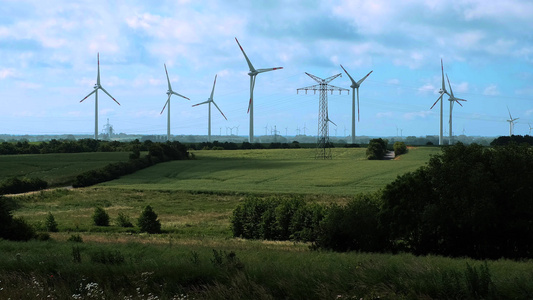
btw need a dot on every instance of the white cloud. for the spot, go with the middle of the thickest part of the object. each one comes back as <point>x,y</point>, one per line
<point>5,73</point>
<point>417,114</point>
<point>491,90</point>
<point>387,114</point>
<point>427,88</point>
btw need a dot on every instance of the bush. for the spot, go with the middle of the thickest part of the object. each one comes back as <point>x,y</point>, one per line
<point>100,217</point>
<point>15,229</point>
<point>50,223</point>
<point>377,148</point>
<point>399,148</point>
<point>22,185</point>
<point>148,221</point>
<point>123,220</point>
<point>76,238</point>
<point>353,227</point>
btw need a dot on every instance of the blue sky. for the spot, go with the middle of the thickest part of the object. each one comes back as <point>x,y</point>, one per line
<point>48,64</point>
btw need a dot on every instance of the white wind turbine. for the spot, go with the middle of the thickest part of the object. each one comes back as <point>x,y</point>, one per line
<point>355,86</point>
<point>511,122</point>
<point>442,91</point>
<point>253,73</point>
<point>452,99</point>
<point>529,128</point>
<point>209,101</point>
<point>169,93</point>
<point>97,87</point>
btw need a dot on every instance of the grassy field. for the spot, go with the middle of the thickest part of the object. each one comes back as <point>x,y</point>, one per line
<point>197,258</point>
<point>283,171</point>
<point>57,168</point>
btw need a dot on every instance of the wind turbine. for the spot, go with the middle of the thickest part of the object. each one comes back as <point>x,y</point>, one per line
<point>511,122</point>
<point>452,99</point>
<point>97,87</point>
<point>209,101</point>
<point>442,91</point>
<point>253,73</point>
<point>529,128</point>
<point>355,86</point>
<point>169,93</point>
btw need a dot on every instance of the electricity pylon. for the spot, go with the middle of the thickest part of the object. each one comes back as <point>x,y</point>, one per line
<point>323,146</point>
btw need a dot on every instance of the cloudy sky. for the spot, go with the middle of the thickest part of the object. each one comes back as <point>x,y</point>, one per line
<point>48,52</point>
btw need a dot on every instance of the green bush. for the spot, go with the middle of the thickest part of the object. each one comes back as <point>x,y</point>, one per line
<point>123,220</point>
<point>353,227</point>
<point>15,229</point>
<point>50,223</point>
<point>21,185</point>
<point>377,148</point>
<point>100,217</point>
<point>148,221</point>
<point>399,148</point>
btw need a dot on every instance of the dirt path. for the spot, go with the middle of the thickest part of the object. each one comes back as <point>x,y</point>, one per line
<point>389,155</point>
<point>35,192</point>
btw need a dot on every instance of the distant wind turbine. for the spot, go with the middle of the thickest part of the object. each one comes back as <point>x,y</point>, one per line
<point>97,87</point>
<point>452,99</point>
<point>253,73</point>
<point>442,91</point>
<point>511,122</point>
<point>169,93</point>
<point>209,101</point>
<point>355,86</point>
<point>529,128</point>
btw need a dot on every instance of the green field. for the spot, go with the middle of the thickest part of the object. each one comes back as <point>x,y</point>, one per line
<point>283,171</point>
<point>57,168</point>
<point>194,200</point>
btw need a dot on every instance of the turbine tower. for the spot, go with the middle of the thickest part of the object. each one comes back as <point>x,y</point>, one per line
<point>208,102</point>
<point>452,99</point>
<point>511,122</point>
<point>323,147</point>
<point>442,91</point>
<point>169,93</point>
<point>97,87</point>
<point>355,86</point>
<point>253,73</point>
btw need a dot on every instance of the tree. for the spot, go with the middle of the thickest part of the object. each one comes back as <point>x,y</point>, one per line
<point>148,221</point>
<point>100,217</point>
<point>467,201</point>
<point>50,223</point>
<point>377,148</point>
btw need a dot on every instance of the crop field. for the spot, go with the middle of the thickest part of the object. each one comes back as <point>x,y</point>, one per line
<point>276,171</point>
<point>57,168</point>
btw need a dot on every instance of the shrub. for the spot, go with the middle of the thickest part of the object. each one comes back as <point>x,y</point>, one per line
<point>50,223</point>
<point>21,185</point>
<point>100,217</point>
<point>15,229</point>
<point>377,148</point>
<point>148,221</point>
<point>123,220</point>
<point>76,238</point>
<point>399,148</point>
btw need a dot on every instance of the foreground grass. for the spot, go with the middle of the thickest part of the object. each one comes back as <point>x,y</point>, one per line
<point>280,171</point>
<point>57,168</point>
<point>234,269</point>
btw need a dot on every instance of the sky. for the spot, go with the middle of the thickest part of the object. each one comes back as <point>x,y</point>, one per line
<point>48,63</point>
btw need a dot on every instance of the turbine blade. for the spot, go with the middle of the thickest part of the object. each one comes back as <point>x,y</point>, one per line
<point>332,122</point>
<point>168,100</point>
<point>440,97</point>
<point>249,105</point>
<point>451,90</point>
<point>179,95</point>
<point>213,90</point>
<point>246,57</point>
<point>109,95</point>
<point>510,117</point>
<point>220,110</point>
<point>268,69</point>
<point>353,81</point>
<point>168,80</point>
<point>442,70</point>
<point>363,79</point>
<point>88,95</point>
<point>458,102</point>
<point>201,103</point>
<point>98,76</point>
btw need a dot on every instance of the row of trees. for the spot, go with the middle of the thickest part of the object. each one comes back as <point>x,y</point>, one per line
<point>467,201</point>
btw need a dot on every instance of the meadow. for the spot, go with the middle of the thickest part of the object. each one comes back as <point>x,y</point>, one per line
<point>196,256</point>
<point>56,168</point>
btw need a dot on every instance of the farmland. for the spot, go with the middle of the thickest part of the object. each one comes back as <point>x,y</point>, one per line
<point>197,258</point>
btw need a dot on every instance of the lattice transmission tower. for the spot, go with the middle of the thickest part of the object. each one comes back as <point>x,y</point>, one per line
<point>323,146</point>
